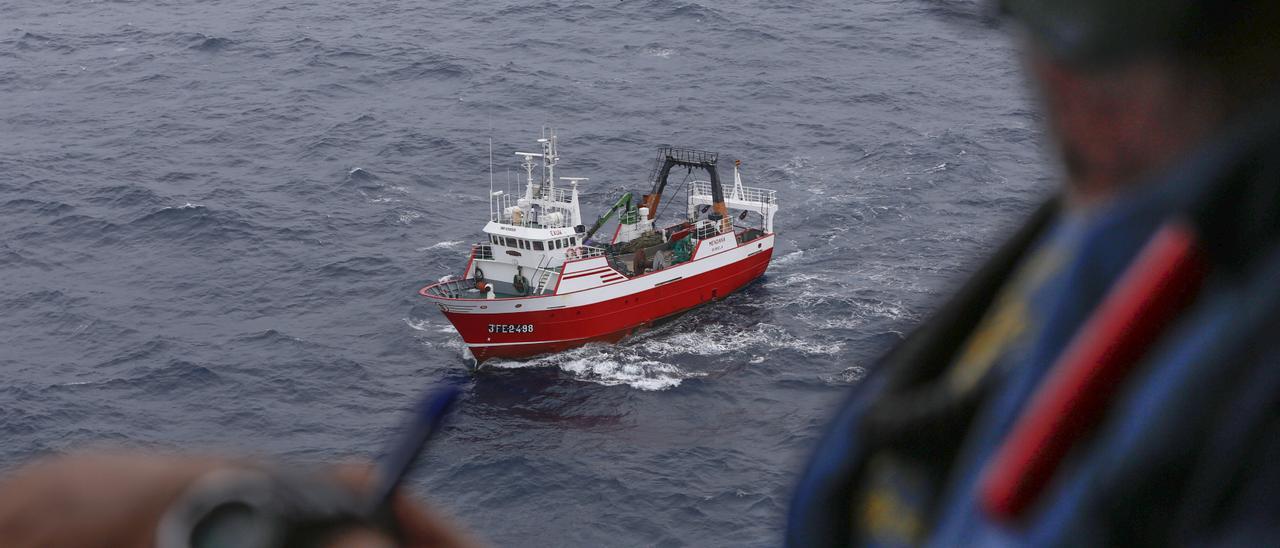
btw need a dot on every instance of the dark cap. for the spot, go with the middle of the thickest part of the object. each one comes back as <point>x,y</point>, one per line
<point>1100,31</point>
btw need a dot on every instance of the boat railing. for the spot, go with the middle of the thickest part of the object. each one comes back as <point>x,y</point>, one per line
<point>629,218</point>
<point>705,230</point>
<point>751,194</point>
<point>561,195</point>
<point>584,252</point>
<point>454,289</point>
<point>543,280</point>
<point>744,194</point>
<point>540,280</point>
<point>506,210</point>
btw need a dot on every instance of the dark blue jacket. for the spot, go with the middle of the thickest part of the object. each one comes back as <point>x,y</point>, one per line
<point>1189,449</point>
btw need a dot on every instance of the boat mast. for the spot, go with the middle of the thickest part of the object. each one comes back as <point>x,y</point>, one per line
<point>528,169</point>
<point>491,178</point>
<point>550,156</point>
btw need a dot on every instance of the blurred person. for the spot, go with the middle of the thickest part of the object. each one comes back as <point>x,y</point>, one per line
<point>1111,376</point>
<point>127,500</point>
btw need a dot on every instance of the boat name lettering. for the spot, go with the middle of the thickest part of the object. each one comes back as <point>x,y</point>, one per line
<point>511,328</point>
<point>718,245</point>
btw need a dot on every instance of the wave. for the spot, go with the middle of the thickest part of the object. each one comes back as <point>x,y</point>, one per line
<point>11,258</point>
<point>38,207</point>
<point>648,361</point>
<point>137,353</point>
<point>442,245</point>
<point>360,176</point>
<point>692,12</point>
<point>125,196</point>
<point>847,376</point>
<point>428,326</point>
<point>82,225</point>
<point>407,217</point>
<point>654,51</point>
<point>269,337</point>
<point>604,365</point>
<point>787,259</point>
<point>728,339</point>
<point>188,223</point>
<point>434,70</point>
<point>32,42</point>
<point>209,44</point>
<point>360,267</point>
<point>175,377</point>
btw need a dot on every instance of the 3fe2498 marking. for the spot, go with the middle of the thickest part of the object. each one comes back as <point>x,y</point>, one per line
<point>511,328</point>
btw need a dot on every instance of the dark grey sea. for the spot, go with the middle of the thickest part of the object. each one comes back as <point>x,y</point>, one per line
<point>215,215</point>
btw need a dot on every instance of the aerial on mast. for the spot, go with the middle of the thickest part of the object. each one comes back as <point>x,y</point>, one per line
<point>528,168</point>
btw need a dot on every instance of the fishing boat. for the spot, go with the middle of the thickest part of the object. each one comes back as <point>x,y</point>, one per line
<point>542,281</point>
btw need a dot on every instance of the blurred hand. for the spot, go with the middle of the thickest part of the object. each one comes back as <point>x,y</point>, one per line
<point>118,499</point>
<point>421,527</point>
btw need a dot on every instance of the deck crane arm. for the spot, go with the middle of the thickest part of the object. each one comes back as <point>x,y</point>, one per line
<point>623,203</point>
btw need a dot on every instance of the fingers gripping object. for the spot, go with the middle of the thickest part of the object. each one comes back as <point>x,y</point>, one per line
<point>259,508</point>
<point>263,507</point>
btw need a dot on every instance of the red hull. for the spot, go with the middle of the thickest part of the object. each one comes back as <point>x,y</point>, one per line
<point>607,321</point>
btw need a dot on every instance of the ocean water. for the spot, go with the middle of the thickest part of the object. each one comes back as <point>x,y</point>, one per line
<point>214,217</point>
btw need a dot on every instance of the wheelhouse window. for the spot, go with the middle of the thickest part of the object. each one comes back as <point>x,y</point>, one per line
<point>537,246</point>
